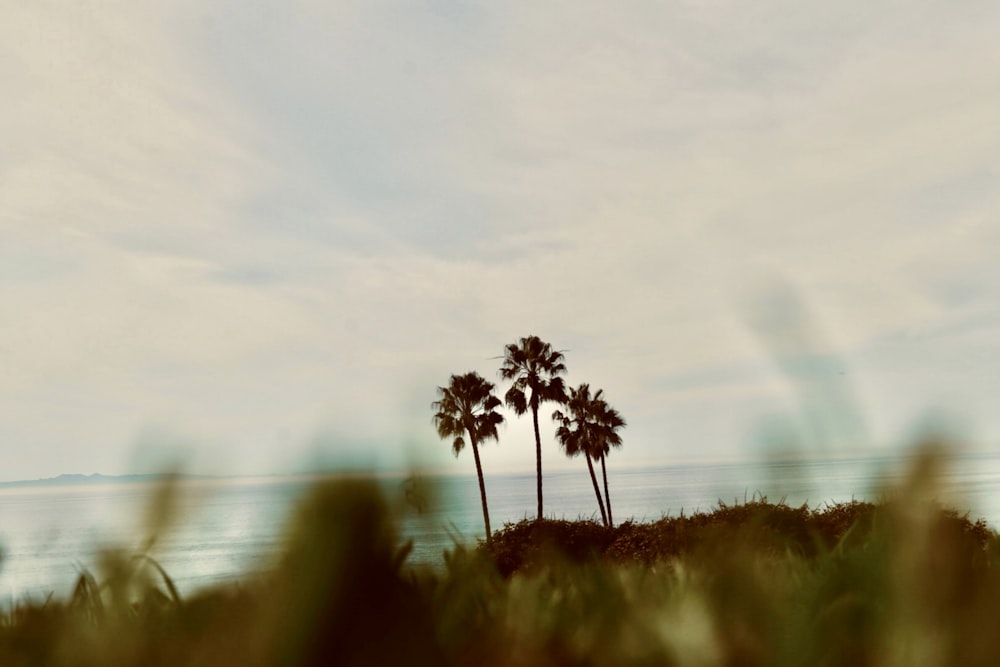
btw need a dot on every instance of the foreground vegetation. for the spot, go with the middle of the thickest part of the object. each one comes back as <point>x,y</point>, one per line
<point>900,582</point>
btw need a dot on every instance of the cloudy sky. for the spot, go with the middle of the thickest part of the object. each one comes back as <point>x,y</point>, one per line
<point>256,235</point>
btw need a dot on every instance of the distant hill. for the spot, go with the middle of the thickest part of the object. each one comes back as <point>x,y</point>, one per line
<point>74,480</point>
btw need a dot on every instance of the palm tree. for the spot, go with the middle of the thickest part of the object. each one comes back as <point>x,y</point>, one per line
<point>468,406</point>
<point>534,367</point>
<point>577,431</point>
<point>608,422</point>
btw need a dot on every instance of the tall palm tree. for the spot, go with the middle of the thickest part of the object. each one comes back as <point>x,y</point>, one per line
<point>577,431</point>
<point>535,369</point>
<point>468,406</point>
<point>608,421</point>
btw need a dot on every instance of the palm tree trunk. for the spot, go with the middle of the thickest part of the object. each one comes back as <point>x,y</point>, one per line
<point>538,453</point>
<point>607,498</point>
<point>597,490</point>
<point>482,488</point>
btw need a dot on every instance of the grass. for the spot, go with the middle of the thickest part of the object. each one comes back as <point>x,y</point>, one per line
<point>899,582</point>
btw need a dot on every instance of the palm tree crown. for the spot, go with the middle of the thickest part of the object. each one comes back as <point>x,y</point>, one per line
<point>535,369</point>
<point>533,366</point>
<point>467,406</point>
<point>607,422</point>
<point>575,430</point>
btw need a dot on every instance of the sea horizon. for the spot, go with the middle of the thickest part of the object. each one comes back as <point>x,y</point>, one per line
<point>901,455</point>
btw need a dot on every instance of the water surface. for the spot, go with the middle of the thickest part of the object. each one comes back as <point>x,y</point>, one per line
<point>228,528</point>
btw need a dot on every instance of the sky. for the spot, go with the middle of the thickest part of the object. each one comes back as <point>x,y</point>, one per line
<point>254,237</point>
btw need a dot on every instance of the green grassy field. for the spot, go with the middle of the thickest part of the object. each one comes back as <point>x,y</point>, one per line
<point>899,582</point>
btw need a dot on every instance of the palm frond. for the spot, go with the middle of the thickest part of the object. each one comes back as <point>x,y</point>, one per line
<point>554,390</point>
<point>516,400</point>
<point>467,406</point>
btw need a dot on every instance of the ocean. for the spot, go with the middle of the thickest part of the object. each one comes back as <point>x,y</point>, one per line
<point>229,528</point>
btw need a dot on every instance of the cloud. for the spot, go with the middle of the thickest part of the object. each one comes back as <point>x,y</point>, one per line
<point>292,217</point>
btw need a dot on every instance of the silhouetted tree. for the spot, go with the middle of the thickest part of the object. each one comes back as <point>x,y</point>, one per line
<point>608,423</point>
<point>577,431</point>
<point>468,405</point>
<point>535,369</point>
